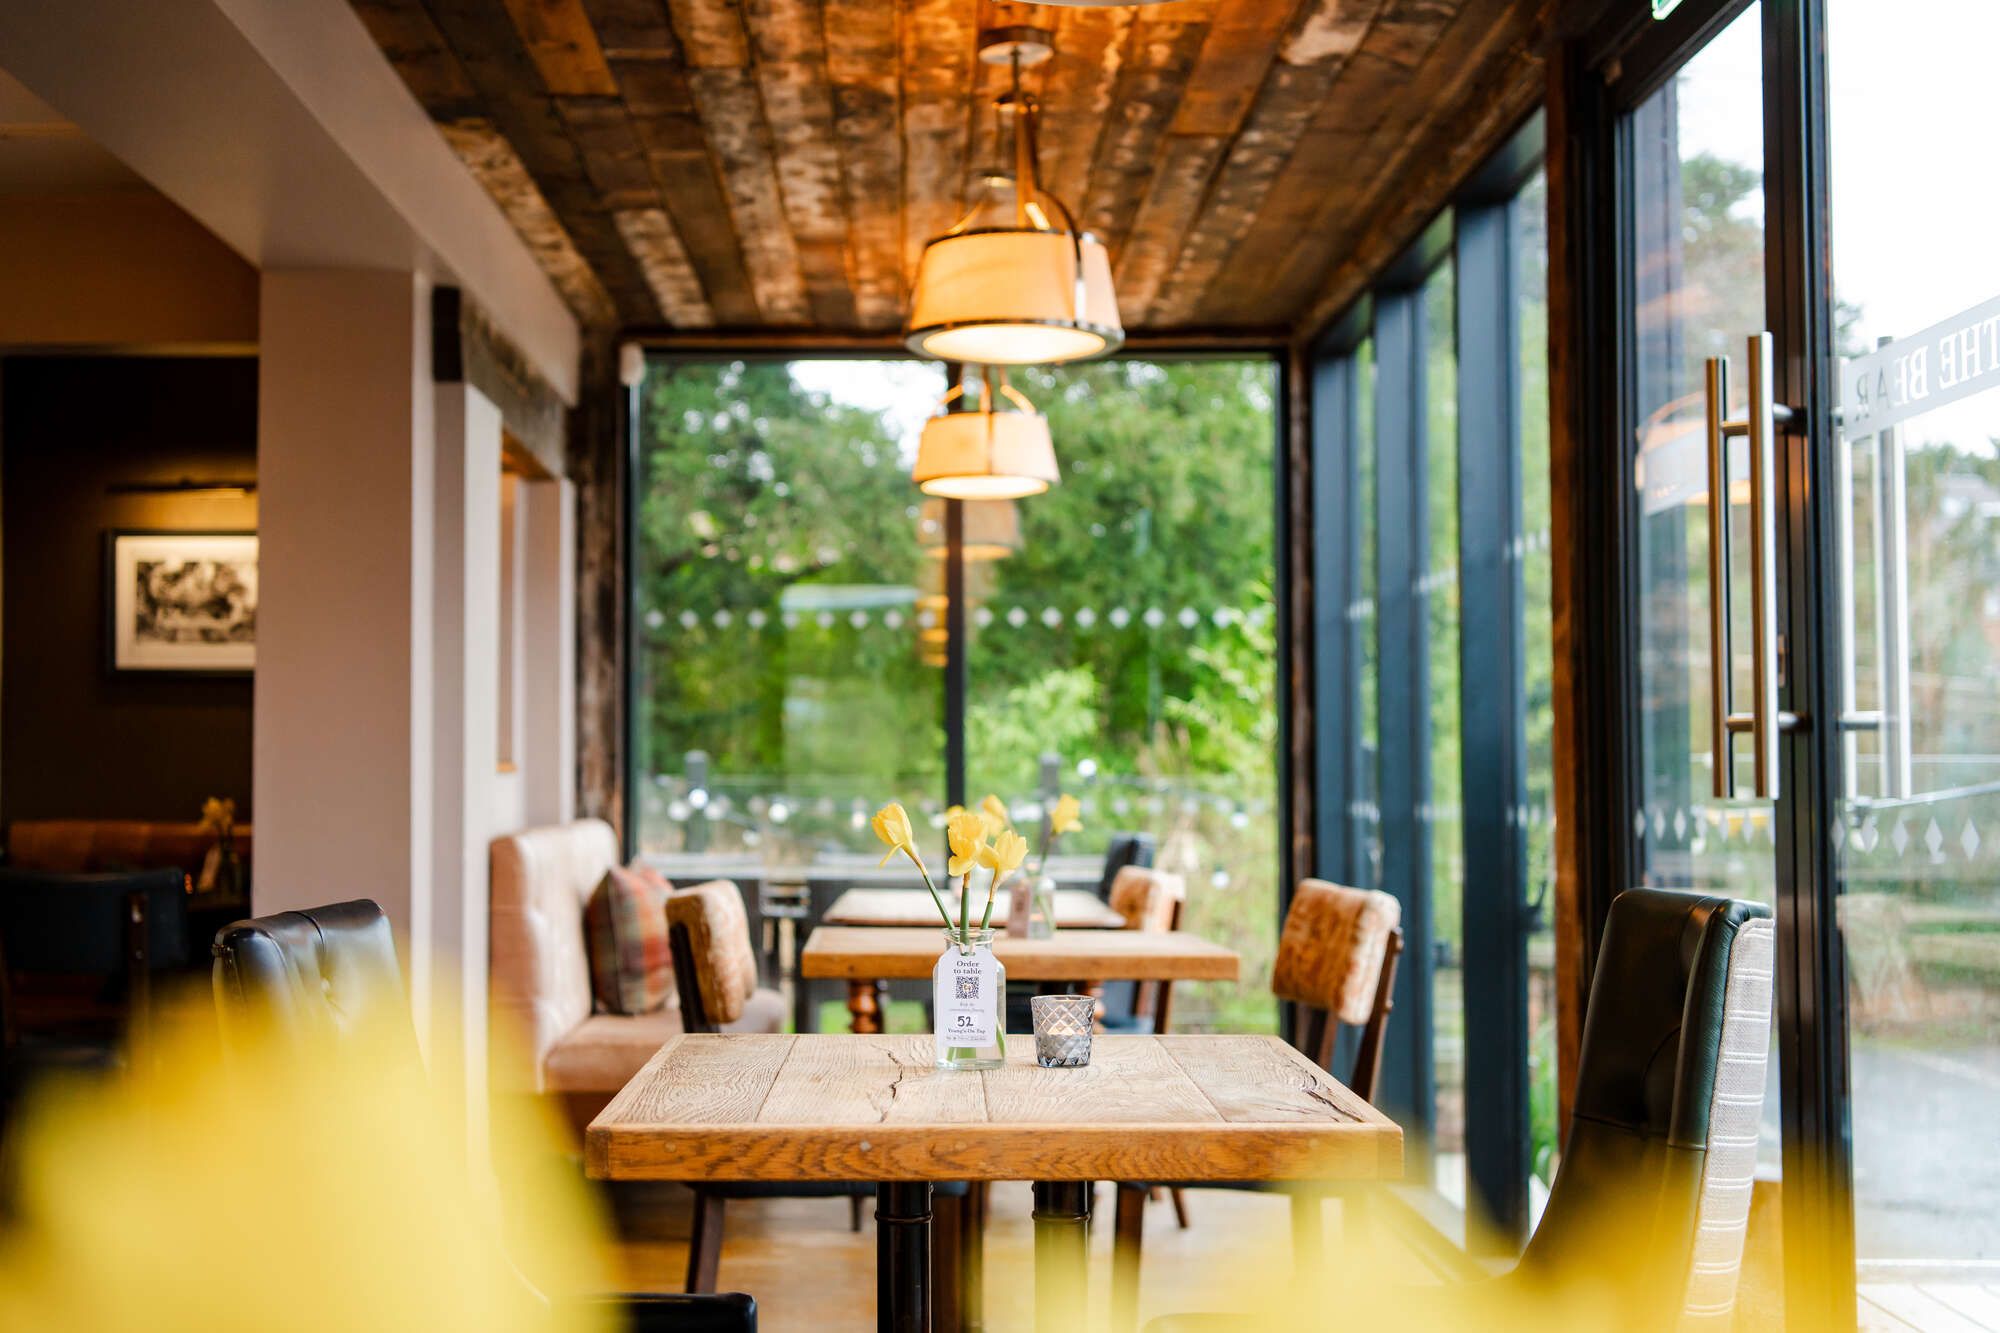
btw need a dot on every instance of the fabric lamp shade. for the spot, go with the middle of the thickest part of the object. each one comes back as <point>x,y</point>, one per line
<point>985,455</point>
<point>1010,296</point>
<point>992,529</point>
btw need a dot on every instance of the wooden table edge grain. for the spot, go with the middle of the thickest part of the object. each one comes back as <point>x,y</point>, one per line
<point>1367,1146</point>
<point>883,953</point>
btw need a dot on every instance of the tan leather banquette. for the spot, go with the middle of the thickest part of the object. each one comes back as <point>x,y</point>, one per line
<point>547,1037</point>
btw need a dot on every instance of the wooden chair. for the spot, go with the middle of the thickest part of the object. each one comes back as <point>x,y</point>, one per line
<point>1148,900</point>
<point>715,971</point>
<point>1336,965</point>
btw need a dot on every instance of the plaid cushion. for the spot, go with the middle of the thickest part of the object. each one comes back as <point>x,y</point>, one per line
<point>625,926</point>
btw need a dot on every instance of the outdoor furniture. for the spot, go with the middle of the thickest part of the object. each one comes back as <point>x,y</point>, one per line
<point>317,976</point>
<point>1336,964</point>
<point>866,957</point>
<point>1076,909</point>
<point>839,1107</point>
<point>715,970</point>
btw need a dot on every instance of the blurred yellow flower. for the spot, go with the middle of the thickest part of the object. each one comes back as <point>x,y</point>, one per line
<point>1066,817</point>
<point>966,832</point>
<point>994,811</point>
<point>892,826</point>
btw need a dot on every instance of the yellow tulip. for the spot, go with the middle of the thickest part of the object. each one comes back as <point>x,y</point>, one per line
<point>966,832</point>
<point>892,826</point>
<point>1066,817</point>
<point>994,811</point>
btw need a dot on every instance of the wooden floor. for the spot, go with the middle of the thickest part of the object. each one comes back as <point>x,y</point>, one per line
<point>1948,1307</point>
<point>808,1271</point>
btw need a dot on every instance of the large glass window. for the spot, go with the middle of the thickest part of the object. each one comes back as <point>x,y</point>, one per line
<point>781,690</point>
<point>1121,631</point>
<point>1536,811</point>
<point>1126,650</point>
<point>1439,813</point>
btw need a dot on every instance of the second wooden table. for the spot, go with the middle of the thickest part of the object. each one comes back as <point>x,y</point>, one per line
<point>865,957</point>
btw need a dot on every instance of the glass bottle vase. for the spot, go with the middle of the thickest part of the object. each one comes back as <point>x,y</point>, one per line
<point>969,1002</point>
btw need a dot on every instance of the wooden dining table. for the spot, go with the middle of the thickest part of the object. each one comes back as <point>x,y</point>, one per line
<point>1076,909</point>
<point>867,957</point>
<point>831,1106</point>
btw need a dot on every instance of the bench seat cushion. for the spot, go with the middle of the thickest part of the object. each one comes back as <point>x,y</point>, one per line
<point>602,1053</point>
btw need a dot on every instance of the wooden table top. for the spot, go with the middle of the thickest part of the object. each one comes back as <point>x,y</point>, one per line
<point>826,1106</point>
<point>899,953</point>
<point>1076,909</point>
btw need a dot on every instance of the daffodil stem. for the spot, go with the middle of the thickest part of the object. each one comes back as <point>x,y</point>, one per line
<point>943,911</point>
<point>964,904</point>
<point>992,888</point>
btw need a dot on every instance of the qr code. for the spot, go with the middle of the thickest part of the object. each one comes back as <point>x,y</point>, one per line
<point>968,987</point>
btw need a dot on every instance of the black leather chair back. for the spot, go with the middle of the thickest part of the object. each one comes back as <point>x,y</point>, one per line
<point>1124,849</point>
<point>314,976</point>
<point>1646,1082</point>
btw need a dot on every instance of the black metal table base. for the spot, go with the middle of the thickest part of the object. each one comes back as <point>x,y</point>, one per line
<point>903,1256</point>
<point>1062,1253</point>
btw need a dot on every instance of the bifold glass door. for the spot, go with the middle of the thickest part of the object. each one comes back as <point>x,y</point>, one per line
<point>1916,279</point>
<point>1815,592</point>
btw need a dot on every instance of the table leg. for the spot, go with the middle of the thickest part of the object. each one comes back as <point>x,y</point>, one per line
<point>903,1256</point>
<point>972,1266</point>
<point>866,1005</point>
<point>1062,1254</point>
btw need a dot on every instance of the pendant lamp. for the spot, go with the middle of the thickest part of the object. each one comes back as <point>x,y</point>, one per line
<point>992,529</point>
<point>986,453</point>
<point>1020,285</point>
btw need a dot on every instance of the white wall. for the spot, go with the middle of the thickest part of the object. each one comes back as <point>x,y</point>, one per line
<point>345,463</point>
<point>464,729</point>
<point>546,745</point>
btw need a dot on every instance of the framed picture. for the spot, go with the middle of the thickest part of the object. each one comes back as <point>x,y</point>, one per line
<point>182,601</point>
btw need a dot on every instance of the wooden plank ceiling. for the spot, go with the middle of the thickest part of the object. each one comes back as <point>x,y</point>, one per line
<point>779,164</point>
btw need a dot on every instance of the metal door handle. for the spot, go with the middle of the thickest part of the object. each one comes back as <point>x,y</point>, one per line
<point>1759,426</point>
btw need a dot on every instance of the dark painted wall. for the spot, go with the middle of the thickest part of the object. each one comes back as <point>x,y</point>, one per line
<point>75,740</point>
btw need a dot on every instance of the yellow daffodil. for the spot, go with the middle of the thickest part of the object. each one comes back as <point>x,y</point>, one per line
<point>994,811</point>
<point>966,832</point>
<point>1004,857</point>
<point>892,826</point>
<point>1066,817</point>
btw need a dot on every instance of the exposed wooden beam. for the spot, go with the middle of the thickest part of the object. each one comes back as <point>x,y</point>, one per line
<point>1488,65</point>
<point>732,117</point>
<point>563,45</point>
<point>413,44</point>
<point>1161,49</point>
<point>493,162</point>
<point>650,236</point>
<point>938,43</point>
<point>862,47</point>
<point>1090,46</point>
<point>1322,34</point>
<point>511,91</point>
<point>788,49</point>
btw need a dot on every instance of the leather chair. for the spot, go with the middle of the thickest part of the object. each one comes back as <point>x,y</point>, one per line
<point>62,933</point>
<point>1336,965</point>
<point>1653,1191</point>
<point>715,971</point>
<point>316,977</point>
<point>1124,849</point>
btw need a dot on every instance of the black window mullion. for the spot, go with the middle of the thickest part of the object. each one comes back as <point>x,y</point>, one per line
<point>1408,1088</point>
<point>1334,578</point>
<point>1492,706</point>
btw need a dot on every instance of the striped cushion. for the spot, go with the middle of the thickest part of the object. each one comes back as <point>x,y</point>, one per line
<point>625,925</point>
